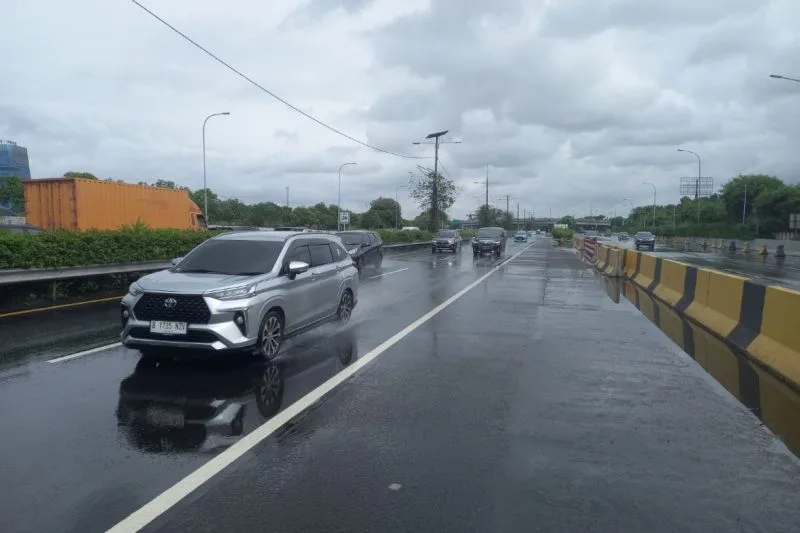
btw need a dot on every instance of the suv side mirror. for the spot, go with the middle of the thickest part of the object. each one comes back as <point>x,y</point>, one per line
<point>297,267</point>
<point>176,260</point>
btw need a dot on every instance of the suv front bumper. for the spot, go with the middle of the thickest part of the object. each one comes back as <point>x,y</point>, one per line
<point>219,334</point>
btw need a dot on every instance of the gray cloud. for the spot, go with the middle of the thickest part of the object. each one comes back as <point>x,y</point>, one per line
<point>570,108</point>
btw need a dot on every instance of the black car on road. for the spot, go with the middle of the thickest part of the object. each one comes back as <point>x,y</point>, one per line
<point>644,239</point>
<point>489,240</point>
<point>446,239</point>
<point>365,247</point>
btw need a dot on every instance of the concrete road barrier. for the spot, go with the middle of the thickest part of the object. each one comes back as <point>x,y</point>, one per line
<point>759,320</point>
<point>648,269</point>
<point>672,281</point>
<point>776,342</point>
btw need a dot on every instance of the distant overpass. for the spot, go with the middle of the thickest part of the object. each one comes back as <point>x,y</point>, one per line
<point>545,222</point>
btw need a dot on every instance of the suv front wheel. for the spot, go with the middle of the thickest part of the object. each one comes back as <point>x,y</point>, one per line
<point>270,336</point>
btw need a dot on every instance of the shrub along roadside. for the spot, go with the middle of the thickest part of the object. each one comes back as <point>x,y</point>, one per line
<point>66,248</point>
<point>389,236</point>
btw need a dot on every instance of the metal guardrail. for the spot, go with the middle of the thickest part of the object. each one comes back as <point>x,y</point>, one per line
<point>29,275</point>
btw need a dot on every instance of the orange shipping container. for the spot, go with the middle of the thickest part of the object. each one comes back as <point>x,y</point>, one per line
<point>80,204</point>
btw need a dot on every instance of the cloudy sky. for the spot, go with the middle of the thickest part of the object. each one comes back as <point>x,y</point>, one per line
<point>572,104</point>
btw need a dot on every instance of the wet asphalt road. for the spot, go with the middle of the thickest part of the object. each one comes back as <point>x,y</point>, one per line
<point>770,270</point>
<point>532,403</point>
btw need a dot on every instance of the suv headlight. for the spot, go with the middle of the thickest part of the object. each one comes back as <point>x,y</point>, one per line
<point>135,289</point>
<point>235,293</point>
<point>352,251</point>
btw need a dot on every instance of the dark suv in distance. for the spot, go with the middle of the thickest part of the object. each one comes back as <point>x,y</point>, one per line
<point>645,239</point>
<point>446,239</point>
<point>365,247</point>
<point>489,240</point>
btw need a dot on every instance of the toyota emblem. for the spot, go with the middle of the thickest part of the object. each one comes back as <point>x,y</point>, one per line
<point>170,303</point>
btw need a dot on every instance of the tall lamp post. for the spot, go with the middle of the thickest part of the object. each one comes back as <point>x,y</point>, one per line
<point>630,202</point>
<point>654,201</point>
<point>699,174</point>
<point>397,205</point>
<point>205,187</point>
<point>339,198</point>
<point>782,77</point>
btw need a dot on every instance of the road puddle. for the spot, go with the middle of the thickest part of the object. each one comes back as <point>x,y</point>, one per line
<point>772,401</point>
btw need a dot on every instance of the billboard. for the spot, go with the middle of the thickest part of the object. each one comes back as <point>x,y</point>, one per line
<point>696,187</point>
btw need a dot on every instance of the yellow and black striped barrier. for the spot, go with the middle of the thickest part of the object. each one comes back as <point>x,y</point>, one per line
<point>757,319</point>
<point>775,402</point>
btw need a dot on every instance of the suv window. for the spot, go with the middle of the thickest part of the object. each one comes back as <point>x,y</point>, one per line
<point>299,253</point>
<point>232,257</point>
<point>351,239</point>
<point>376,239</point>
<point>338,252</point>
<point>320,254</point>
<point>489,233</point>
<point>446,233</point>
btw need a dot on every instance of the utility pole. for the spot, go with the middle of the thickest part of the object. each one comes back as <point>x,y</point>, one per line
<point>517,215</point>
<point>744,207</point>
<point>487,185</point>
<point>435,192</point>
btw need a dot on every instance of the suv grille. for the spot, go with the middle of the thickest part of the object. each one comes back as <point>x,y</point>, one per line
<point>188,308</point>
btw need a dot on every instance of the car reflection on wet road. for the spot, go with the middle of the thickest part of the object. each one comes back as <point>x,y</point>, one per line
<point>169,406</point>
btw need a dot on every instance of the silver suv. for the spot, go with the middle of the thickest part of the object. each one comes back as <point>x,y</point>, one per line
<point>242,290</point>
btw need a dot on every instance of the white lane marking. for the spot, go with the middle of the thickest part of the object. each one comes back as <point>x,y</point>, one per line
<point>388,273</point>
<point>85,352</point>
<point>167,499</point>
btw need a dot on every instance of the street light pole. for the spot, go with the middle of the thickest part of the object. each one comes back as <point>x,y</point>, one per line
<point>630,215</point>
<point>654,201</point>
<point>397,206</point>
<point>699,174</point>
<point>781,77</point>
<point>205,186</point>
<point>339,198</point>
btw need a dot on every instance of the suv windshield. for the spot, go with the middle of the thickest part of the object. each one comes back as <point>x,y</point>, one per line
<point>232,257</point>
<point>446,233</point>
<point>351,239</point>
<point>645,234</point>
<point>488,233</point>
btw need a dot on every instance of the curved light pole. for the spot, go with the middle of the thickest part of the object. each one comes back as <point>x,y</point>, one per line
<point>397,205</point>
<point>630,202</point>
<point>782,77</point>
<point>699,174</point>
<point>205,188</point>
<point>654,201</point>
<point>339,198</point>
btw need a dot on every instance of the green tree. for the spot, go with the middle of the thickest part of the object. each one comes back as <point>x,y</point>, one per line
<point>165,184</point>
<point>387,210</point>
<point>421,188</point>
<point>84,175</point>
<point>568,220</point>
<point>12,193</point>
<point>490,216</point>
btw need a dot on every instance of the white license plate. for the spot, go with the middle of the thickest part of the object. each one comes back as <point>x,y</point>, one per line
<point>165,417</point>
<point>168,328</point>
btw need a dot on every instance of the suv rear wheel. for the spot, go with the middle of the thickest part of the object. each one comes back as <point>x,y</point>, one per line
<point>270,336</point>
<point>345,308</point>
